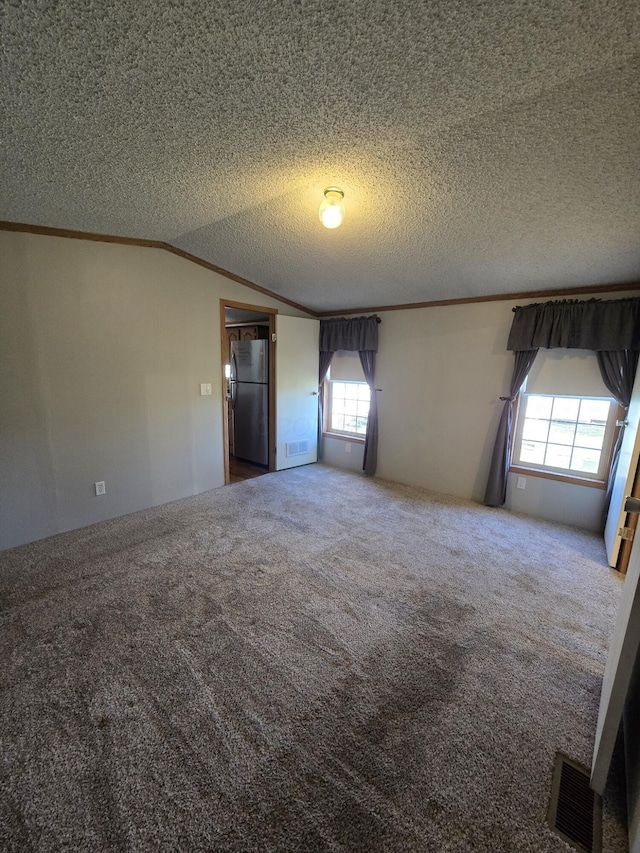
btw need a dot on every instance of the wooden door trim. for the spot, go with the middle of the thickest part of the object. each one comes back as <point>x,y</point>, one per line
<point>631,521</point>
<point>225,402</point>
<point>230,303</point>
<point>272,391</point>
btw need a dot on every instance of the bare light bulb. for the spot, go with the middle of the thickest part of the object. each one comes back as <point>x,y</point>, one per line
<point>332,208</point>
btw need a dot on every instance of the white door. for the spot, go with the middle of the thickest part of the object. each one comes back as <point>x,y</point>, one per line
<point>297,360</point>
<point>625,475</point>
<point>618,670</point>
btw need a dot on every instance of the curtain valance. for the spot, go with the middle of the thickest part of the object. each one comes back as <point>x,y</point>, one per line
<point>594,324</point>
<point>356,334</point>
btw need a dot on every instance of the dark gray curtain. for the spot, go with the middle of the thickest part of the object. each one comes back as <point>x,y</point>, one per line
<point>349,333</point>
<point>370,461</point>
<point>609,327</point>
<point>356,334</point>
<point>325,361</point>
<point>618,370</point>
<point>595,324</point>
<point>497,484</point>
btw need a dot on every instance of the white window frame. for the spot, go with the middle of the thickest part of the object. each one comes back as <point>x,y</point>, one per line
<point>328,402</point>
<point>600,477</point>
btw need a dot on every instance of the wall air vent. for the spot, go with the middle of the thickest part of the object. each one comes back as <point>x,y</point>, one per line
<point>297,448</point>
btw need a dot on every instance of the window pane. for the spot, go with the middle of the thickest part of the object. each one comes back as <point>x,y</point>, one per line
<point>349,407</point>
<point>535,430</point>
<point>558,455</point>
<point>585,460</point>
<point>539,407</point>
<point>565,408</point>
<point>532,452</point>
<point>590,436</point>
<point>351,392</point>
<point>594,411</point>
<point>562,432</point>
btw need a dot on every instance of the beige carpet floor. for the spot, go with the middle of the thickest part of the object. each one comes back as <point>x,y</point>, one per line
<point>306,661</point>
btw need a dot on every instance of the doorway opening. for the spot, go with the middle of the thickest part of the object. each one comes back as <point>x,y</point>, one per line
<point>248,358</point>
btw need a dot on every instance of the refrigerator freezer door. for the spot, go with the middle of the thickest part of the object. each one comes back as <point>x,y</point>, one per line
<point>251,422</point>
<point>250,361</point>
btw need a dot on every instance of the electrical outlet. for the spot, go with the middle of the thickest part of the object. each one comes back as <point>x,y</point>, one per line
<point>100,488</point>
<point>347,447</point>
<point>521,483</point>
<point>205,389</point>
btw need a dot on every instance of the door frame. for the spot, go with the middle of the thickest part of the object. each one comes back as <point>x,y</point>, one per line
<point>631,521</point>
<point>271,312</point>
<point>625,483</point>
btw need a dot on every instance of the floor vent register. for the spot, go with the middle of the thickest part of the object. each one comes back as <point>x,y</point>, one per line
<point>575,811</point>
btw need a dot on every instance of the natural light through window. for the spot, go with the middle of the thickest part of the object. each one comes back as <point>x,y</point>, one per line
<point>348,407</point>
<point>565,434</point>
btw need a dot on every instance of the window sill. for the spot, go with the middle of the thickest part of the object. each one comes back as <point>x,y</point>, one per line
<point>561,478</point>
<point>351,438</point>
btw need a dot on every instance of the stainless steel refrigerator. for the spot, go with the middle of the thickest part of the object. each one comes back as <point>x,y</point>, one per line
<point>250,400</point>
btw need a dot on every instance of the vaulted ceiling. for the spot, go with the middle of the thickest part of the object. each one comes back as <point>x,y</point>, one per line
<point>483,147</point>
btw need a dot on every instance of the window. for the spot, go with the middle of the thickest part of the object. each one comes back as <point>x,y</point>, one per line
<point>565,435</point>
<point>347,407</point>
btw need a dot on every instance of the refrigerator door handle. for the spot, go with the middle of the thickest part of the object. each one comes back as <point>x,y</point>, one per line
<point>234,373</point>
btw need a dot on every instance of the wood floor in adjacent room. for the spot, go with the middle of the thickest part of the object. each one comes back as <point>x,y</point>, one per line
<point>305,661</point>
<point>241,469</point>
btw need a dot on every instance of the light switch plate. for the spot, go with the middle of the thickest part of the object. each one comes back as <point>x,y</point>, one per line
<point>521,483</point>
<point>205,389</point>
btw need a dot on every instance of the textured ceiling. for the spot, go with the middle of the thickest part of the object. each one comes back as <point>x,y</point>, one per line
<point>483,147</point>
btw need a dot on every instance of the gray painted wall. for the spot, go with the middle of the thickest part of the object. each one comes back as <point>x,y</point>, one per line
<point>342,454</point>
<point>555,501</point>
<point>102,351</point>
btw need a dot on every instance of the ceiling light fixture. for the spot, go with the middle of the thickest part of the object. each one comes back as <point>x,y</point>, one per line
<point>332,208</point>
